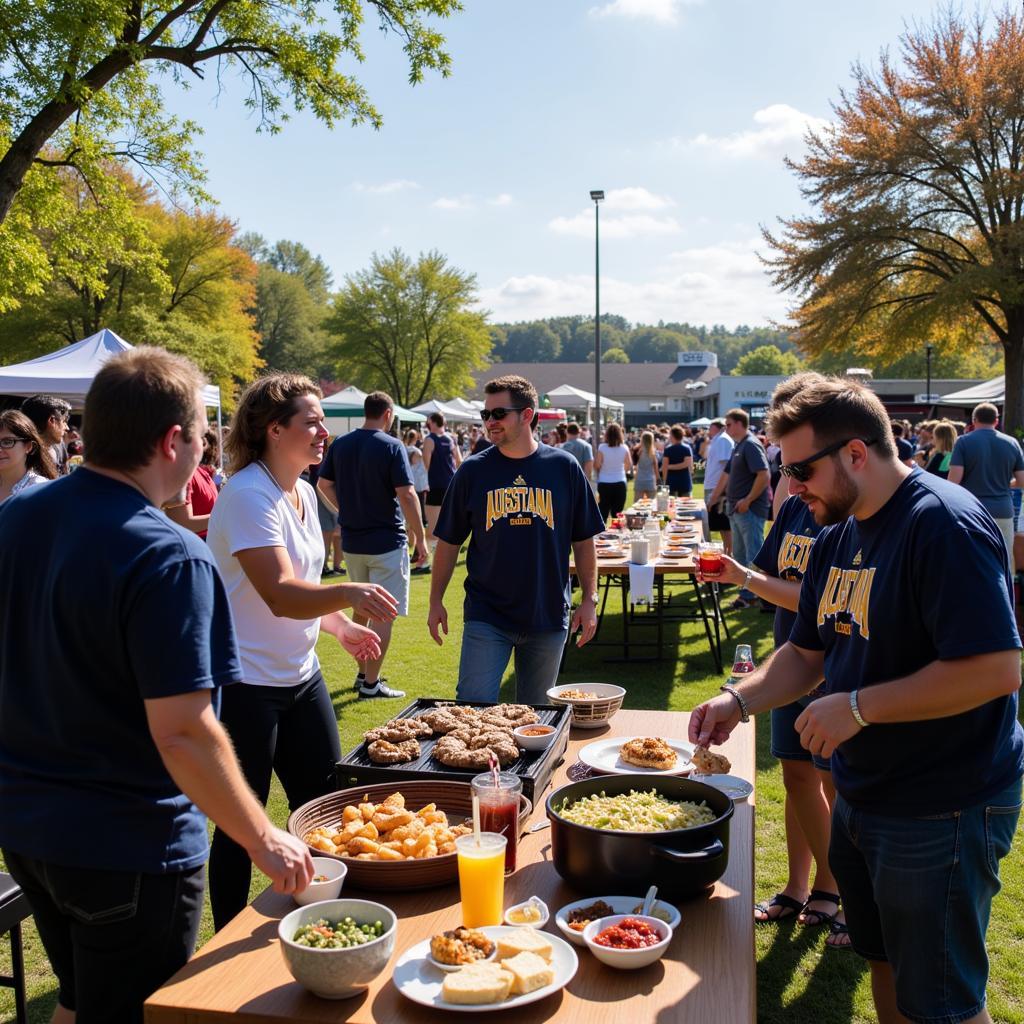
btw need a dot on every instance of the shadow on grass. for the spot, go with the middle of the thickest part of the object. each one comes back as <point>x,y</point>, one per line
<point>832,979</point>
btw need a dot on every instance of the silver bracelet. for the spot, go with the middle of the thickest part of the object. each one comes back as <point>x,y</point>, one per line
<point>855,711</point>
<point>745,585</point>
<point>744,709</point>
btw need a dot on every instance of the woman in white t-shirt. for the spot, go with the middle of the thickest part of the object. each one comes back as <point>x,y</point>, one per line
<point>265,538</point>
<point>612,463</point>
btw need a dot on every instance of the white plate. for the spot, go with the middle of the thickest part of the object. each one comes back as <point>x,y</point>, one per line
<point>731,785</point>
<point>603,756</point>
<point>417,980</point>
<point>619,905</point>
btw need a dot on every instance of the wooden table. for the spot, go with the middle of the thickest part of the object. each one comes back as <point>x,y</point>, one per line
<point>706,975</point>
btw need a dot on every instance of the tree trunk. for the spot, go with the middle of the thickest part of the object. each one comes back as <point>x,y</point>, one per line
<point>1013,354</point>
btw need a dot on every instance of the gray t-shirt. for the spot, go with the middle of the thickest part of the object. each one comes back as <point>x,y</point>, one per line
<point>747,460</point>
<point>990,459</point>
<point>580,450</point>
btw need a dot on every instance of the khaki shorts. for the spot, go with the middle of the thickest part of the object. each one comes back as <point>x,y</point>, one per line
<point>390,570</point>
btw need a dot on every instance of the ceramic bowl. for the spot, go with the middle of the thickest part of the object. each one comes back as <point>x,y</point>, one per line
<point>534,742</point>
<point>337,973</point>
<point>627,959</point>
<point>316,892</point>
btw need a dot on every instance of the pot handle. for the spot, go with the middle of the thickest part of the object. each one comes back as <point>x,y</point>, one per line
<point>716,849</point>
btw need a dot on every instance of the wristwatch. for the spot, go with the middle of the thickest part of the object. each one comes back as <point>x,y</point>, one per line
<point>733,692</point>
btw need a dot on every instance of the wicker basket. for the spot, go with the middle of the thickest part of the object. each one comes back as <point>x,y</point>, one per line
<point>588,713</point>
<point>454,798</point>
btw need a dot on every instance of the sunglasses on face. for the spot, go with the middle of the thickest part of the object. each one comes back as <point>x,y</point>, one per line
<point>9,442</point>
<point>802,472</point>
<point>500,412</point>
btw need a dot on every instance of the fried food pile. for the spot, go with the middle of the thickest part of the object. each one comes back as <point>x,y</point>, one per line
<point>388,831</point>
<point>461,946</point>
<point>470,737</point>
<point>648,752</point>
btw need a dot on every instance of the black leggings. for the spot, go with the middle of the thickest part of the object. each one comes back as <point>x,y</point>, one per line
<point>291,730</point>
<point>611,499</point>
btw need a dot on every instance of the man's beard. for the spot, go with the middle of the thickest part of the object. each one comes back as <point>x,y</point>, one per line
<point>839,504</point>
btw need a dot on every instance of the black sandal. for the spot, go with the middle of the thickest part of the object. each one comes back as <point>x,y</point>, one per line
<point>790,908</point>
<point>820,918</point>
<point>837,928</point>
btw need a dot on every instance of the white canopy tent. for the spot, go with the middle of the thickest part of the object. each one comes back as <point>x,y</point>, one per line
<point>68,372</point>
<point>568,397</point>
<point>449,412</point>
<point>993,391</point>
<point>701,423</point>
<point>468,407</point>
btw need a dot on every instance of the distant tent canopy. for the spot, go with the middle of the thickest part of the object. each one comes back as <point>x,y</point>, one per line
<point>348,404</point>
<point>993,391</point>
<point>68,372</point>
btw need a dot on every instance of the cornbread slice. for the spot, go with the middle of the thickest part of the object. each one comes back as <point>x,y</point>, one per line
<point>524,940</point>
<point>529,972</point>
<point>477,985</point>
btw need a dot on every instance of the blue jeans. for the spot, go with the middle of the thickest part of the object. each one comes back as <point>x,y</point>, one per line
<point>918,892</point>
<point>486,650</point>
<point>747,538</point>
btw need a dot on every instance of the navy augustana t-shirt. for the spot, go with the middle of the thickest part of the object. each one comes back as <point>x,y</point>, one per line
<point>922,579</point>
<point>523,515</point>
<point>365,467</point>
<point>785,552</point>
<point>103,609</point>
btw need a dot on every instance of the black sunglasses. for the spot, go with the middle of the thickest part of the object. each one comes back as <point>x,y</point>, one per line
<point>801,471</point>
<point>500,413</point>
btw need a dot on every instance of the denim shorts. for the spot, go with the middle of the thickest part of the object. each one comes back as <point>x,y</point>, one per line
<point>918,893</point>
<point>786,740</point>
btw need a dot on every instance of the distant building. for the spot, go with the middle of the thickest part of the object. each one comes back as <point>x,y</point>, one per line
<point>694,387</point>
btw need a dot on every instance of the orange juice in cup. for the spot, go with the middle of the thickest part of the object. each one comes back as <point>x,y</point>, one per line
<point>481,878</point>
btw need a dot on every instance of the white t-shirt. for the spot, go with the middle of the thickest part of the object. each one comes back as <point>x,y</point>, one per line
<point>253,512</point>
<point>613,466</point>
<point>718,452</point>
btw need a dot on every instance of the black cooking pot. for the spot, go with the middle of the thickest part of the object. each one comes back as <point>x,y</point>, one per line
<point>681,862</point>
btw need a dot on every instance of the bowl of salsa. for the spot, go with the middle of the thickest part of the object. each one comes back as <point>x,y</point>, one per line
<point>627,941</point>
<point>533,737</point>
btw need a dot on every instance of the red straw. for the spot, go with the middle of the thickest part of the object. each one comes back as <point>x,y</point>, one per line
<point>494,772</point>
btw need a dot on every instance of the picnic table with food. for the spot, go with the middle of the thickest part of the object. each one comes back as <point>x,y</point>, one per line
<point>604,867</point>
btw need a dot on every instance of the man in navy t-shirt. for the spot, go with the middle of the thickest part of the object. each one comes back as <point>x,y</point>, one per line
<point>366,476</point>
<point>523,505</point>
<point>905,610</point>
<point>117,636</point>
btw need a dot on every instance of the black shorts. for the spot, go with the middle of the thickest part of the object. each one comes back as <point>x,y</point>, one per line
<point>112,937</point>
<point>717,519</point>
<point>435,496</point>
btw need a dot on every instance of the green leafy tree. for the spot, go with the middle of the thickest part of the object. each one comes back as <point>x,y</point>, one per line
<point>82,87</point>
<point>411,328</point>
<point>917,229</point>
<point>531,343</point>
<point>289,323</point>
<point>611,355</point>
<point>658,345</point>
<point>768,361</point>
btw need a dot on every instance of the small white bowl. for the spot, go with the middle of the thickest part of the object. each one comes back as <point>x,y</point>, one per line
<point>534,742</point>
<point>627,959</point>
<point>545,914</point>
<point>337,973</point>
<point>451,968</point>
<point>317,892</point>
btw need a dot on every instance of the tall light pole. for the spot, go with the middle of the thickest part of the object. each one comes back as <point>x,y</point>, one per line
<point>928,383</point>
<point>597,195</point>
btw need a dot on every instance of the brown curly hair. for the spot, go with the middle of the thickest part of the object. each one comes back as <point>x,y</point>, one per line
<point>266,401</point>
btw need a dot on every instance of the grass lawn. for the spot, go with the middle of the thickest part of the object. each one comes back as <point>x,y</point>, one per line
<point>797,979</point>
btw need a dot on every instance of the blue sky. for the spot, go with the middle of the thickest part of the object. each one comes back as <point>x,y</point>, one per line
<point>681,110</point>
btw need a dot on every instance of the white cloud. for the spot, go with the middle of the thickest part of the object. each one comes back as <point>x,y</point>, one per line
<point>453,203</point>
<point>664,11</point>
<point>780,130</point>
<point>722,283</point>
<point>385,187</point>
<point>501,200</point>
<point>624,214</point>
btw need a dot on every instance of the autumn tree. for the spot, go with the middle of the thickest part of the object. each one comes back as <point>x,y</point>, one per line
<point>768,361</point>
<point>917,189</point>
<point>411,328</point>
<point>81,87</point>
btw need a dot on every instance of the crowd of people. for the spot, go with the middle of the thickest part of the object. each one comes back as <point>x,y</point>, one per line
<point>207,678</point>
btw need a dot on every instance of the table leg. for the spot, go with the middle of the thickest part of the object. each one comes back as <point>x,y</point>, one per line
<point>716,648</point>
